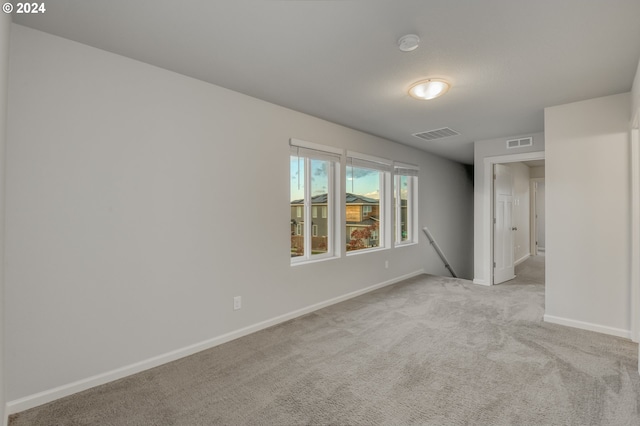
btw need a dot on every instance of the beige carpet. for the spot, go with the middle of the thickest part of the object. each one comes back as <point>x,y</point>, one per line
<point>429,350</point>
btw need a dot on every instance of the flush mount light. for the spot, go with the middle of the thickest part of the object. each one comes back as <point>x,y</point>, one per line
<point>429,89</point>
<point>408,43</point>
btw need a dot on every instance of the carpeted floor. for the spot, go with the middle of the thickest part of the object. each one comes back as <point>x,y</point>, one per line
<point>429,350</point>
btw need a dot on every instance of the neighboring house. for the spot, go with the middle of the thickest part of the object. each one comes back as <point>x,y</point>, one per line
<point>319,226</point>
<point>361,212</point>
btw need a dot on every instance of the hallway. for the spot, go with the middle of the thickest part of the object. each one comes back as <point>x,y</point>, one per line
<point>531,271</point>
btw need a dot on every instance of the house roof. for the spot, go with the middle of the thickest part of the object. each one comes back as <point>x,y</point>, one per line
<point>350,199</point>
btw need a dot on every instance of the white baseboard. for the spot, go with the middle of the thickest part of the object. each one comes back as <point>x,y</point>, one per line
<point>618,332</point>
<point>480,282</point>
<point>522,259</point>
<point>44,397</point>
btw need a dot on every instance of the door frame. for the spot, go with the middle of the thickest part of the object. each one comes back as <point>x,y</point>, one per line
<point>635,228</point>
<point>533,207</point>
<point>488,201</point>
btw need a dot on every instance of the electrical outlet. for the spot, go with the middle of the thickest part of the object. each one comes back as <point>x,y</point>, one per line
<point>386,264</point>
<point>237,303</point>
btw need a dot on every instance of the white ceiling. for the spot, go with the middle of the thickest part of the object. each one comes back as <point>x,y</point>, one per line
<point>338,60</point>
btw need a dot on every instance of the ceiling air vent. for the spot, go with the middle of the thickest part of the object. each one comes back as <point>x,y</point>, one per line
<point>519,143</point>
<point>431,135</point>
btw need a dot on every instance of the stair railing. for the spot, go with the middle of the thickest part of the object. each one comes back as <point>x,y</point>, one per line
<point>439,251</point>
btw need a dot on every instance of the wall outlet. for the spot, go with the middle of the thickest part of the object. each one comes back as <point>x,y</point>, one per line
<point>237,303</point>
<point>386,264</point>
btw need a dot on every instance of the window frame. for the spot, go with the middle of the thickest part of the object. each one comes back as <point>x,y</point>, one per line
<point>385,168</point>
<point>306,152</point>
<point>411,171</point>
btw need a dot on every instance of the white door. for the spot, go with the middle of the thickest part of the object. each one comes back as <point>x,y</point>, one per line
<point>503,228</point>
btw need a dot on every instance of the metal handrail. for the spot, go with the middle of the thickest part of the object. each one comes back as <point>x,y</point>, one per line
<point>439,251</point>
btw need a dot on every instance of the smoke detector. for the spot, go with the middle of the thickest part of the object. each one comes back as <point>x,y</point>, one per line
<point>408,43</point>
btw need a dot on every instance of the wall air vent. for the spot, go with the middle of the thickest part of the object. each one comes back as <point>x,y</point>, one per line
<point>432,135</point>
<point>519,143</point>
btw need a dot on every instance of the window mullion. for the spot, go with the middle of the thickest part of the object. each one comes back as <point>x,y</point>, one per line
<point>329,207</point>
<point>307,208</point>
<point>410,218</point>
<point>382,208</point>
<point>396,209</point>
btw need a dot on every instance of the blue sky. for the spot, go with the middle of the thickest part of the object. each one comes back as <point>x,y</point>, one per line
<point>359,181</point>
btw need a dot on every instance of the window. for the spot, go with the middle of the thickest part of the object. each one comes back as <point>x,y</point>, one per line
<point>405,203</point>
<point>366,181</point>
<point>380,202</point>
<point>312,189</point>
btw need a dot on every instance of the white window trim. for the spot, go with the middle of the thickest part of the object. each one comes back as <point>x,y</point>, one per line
<point>335,210</point>
<point>385,167</point>
<point>404,169</point>
<point>308,151</point>
<point>366,250</point>
<point>369,161</point>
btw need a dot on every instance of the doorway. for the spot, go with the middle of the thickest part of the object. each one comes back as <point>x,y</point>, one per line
<point>503,226</point>
<point>510,231</point>
<point>519,219</point>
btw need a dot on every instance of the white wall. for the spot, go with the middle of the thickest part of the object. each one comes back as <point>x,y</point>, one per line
<point>536,172</point>
<point>521,211</point>
<point>5,27</point>
<point>481,232</point>
<point>587,214</point>
<point>140,201</point>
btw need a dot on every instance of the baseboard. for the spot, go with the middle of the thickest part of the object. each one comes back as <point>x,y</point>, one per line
<point>44,397</point>
<point>618,332</point>
<point>480,282</point>
<point>541,249</point>
<point>522,259</point>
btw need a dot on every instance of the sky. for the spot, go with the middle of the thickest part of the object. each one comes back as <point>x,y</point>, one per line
<point>359,181</point>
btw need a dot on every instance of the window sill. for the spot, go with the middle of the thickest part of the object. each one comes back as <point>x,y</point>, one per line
<point>369,250</point>
<point>408,244</point>
<point>307,262</point>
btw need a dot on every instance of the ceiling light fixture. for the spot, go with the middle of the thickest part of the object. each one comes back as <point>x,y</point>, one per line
<point>408,43</point>
<point>429,89</point>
